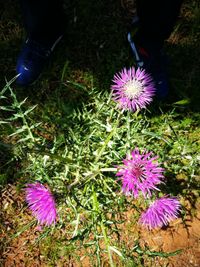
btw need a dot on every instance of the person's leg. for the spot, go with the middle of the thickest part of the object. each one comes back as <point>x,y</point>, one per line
<point>154,24</point>
<point>44,25</point>
<point>156,20</point>
<point>43,19</point>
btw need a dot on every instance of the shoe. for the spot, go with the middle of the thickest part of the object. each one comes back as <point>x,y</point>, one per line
<point>32,59</point>
<point>154,62</point>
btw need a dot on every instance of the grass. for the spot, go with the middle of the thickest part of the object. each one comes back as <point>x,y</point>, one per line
<point>69,135</point>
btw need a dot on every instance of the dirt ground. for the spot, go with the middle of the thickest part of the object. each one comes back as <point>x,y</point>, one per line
<point>177,237</point>
<point>21,250</point>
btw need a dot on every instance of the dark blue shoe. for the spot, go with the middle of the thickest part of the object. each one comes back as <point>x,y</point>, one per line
<point>31,61</point>
<point>154,62</point>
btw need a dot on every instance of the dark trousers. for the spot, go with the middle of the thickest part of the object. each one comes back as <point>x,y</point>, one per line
<point>43,19</point>
<point>156,20</point>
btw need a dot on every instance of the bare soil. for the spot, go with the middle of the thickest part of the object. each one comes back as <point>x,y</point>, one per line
<point>21,249</point>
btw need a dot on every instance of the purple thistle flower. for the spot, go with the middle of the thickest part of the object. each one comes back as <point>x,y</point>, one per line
<point>161,212</point>
<point>140,172</point>
<point>133,89</point>
<point>41,203</point>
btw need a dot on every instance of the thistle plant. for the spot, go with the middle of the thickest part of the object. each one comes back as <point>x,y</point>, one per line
<point>80,166</point>
<point>19,115</point>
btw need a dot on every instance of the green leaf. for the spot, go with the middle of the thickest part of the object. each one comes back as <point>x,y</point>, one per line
<point>3,122</point>
<point>30,109</point>
<point>116,251</point>
<point>183,102</point>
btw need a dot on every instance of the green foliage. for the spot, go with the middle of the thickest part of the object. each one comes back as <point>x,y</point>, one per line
<point>69,134</point>
<point>78,161</point>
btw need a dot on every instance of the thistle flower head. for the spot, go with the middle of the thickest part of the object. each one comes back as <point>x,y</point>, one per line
<point>133,89</point>
<point>140,173</point>
<point>41,203</point>
<point>160,213</point>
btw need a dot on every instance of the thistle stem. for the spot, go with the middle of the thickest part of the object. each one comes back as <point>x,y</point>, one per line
<point>108,169</point>
<point>108,139</point>
<point>107,244</point>
<point>106,239</point>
